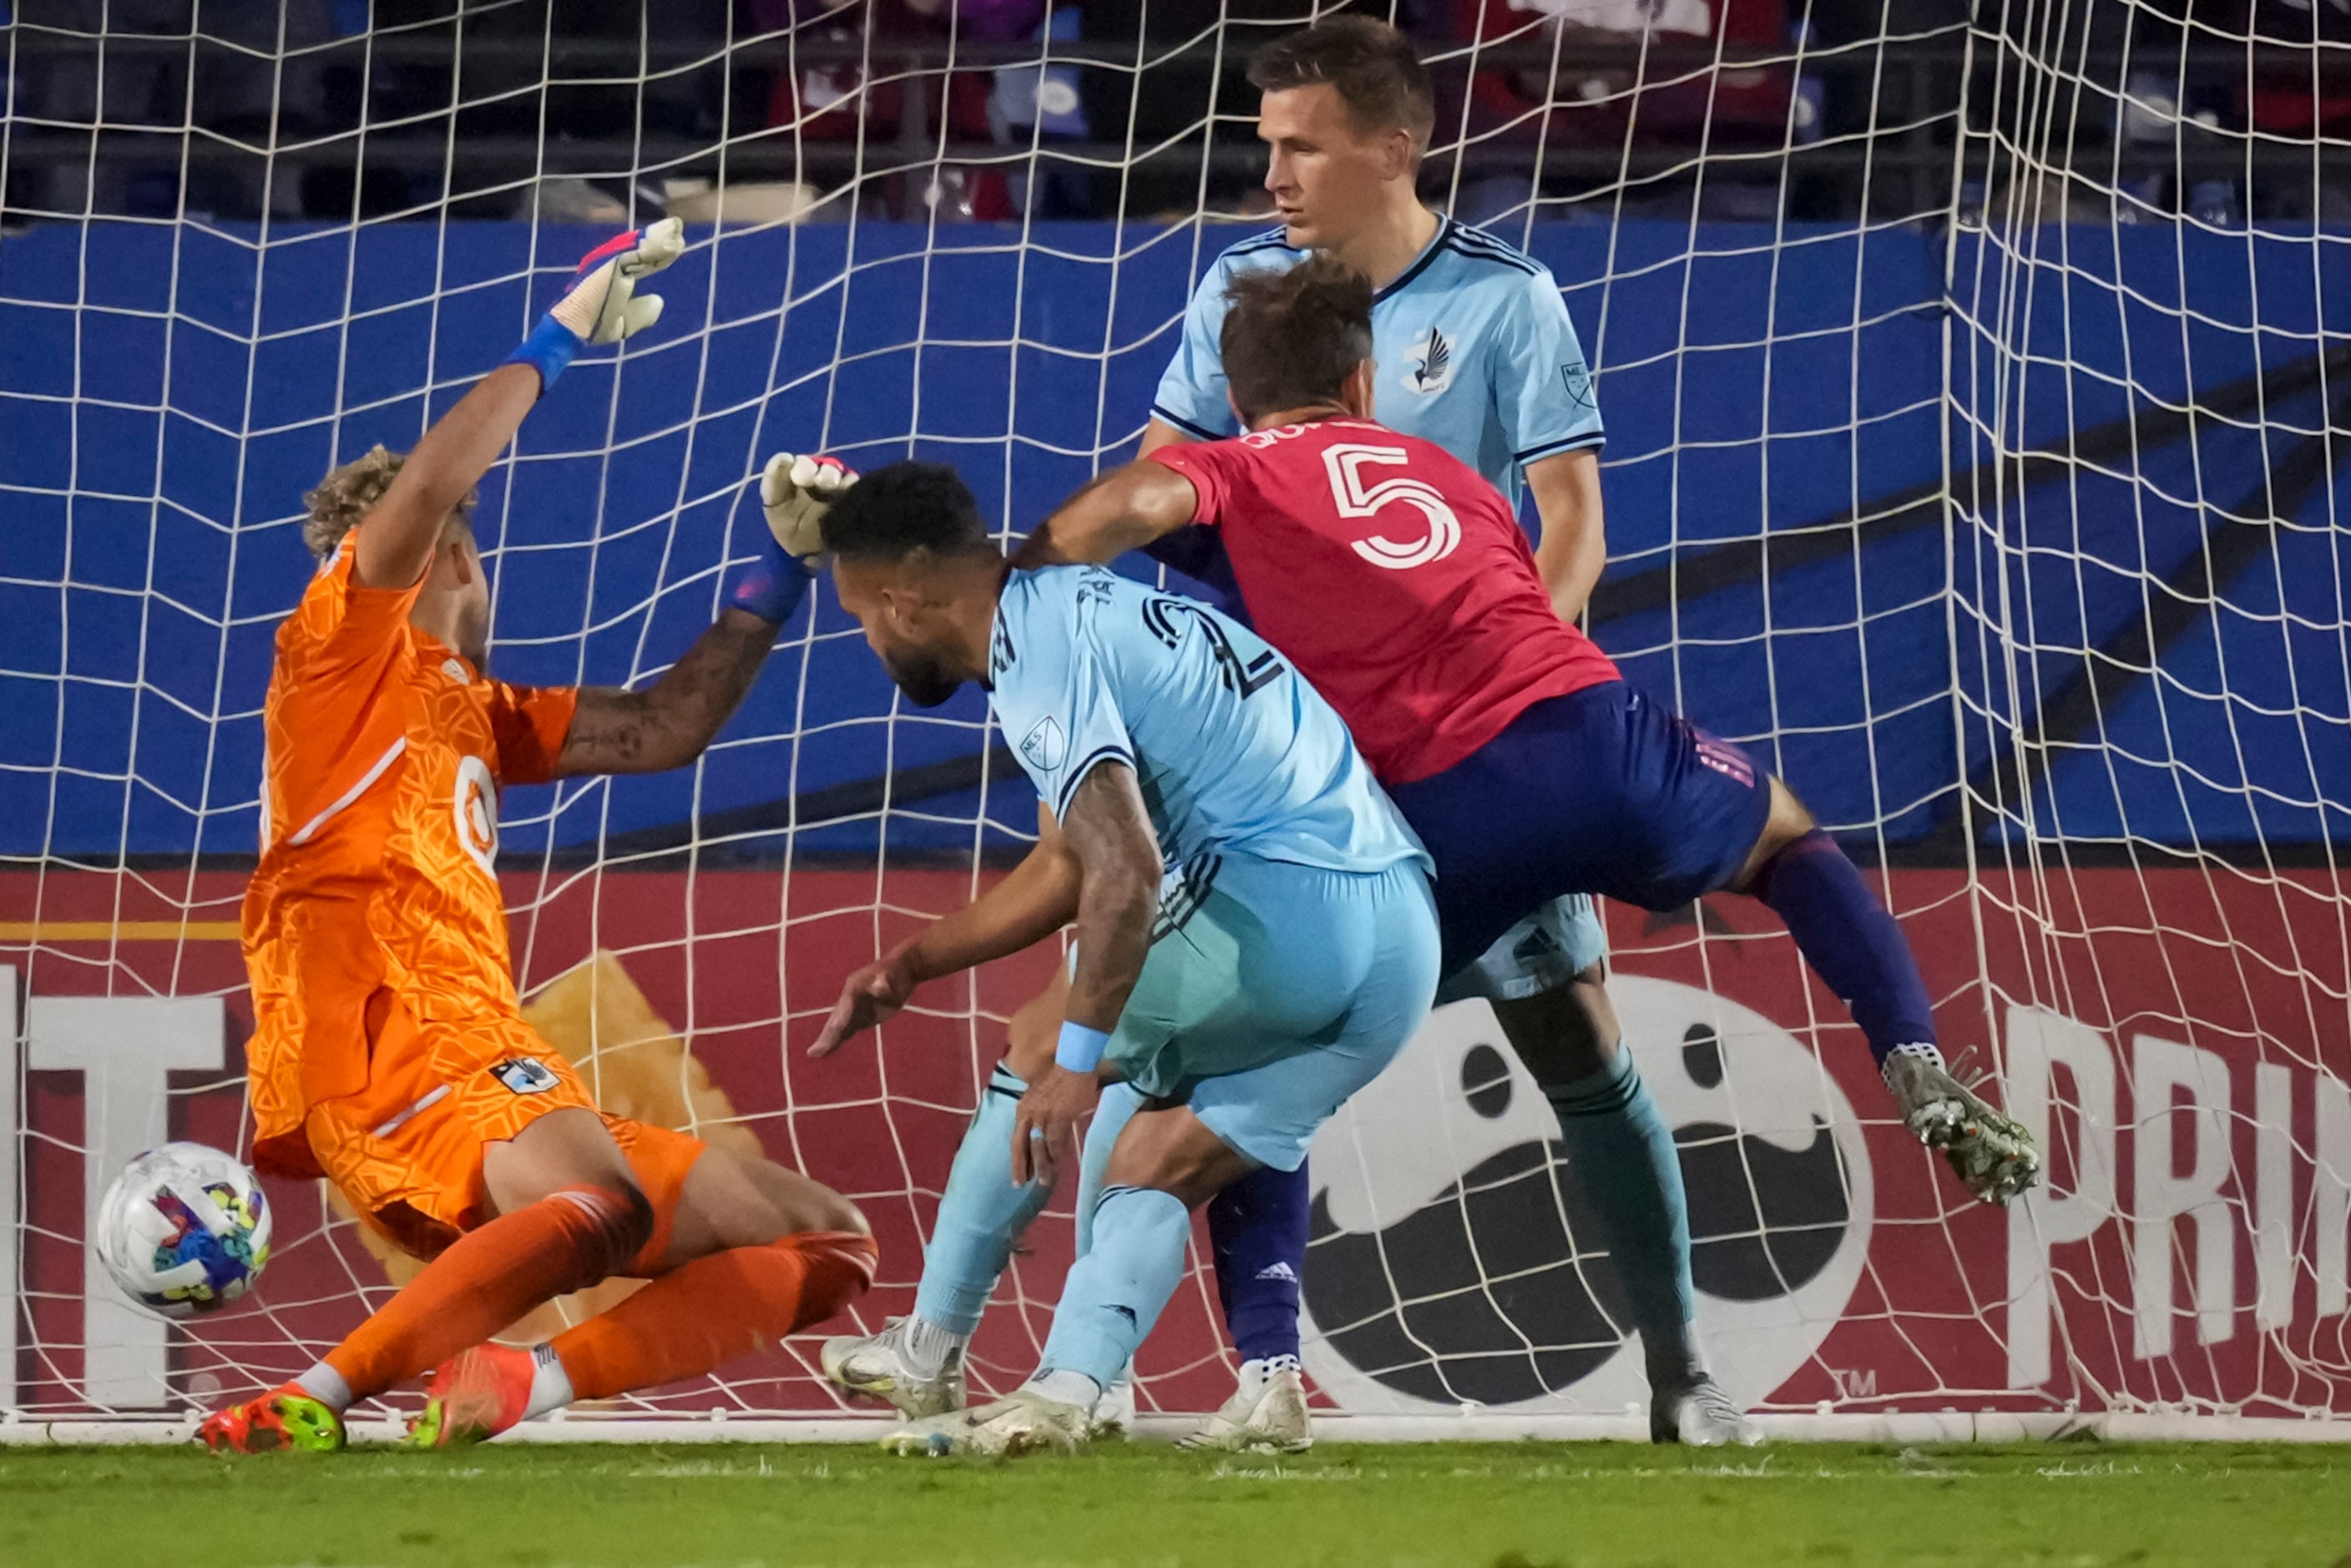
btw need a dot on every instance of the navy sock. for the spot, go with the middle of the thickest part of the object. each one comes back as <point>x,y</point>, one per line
<point>1850,941</point>
<point>1257,1230</point>
<point>1624,1160</point>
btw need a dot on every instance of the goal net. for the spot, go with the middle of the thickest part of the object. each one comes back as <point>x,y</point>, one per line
<point>1970,375</point>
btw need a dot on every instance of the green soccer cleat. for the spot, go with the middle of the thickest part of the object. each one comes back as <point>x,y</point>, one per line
<point>284,1419</point>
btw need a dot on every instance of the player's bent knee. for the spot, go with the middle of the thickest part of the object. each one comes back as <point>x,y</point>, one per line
<point>1788,821</point>
<point>1173,1151</point>
<point>729,1200</point>
<point>1566,1033</point>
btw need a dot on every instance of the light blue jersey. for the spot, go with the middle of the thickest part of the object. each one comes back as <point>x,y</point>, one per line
<point>1232,751</point>
<point>1475,352</point>
<point>1474,347</point>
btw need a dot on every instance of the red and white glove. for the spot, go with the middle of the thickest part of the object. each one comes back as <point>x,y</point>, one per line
<point>600,304</point>
<point>795,492</point>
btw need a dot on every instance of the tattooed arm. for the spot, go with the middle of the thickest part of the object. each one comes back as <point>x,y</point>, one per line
<point>668,723</point>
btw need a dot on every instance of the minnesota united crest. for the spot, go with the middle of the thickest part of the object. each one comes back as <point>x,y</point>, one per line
<point>1429,364</point>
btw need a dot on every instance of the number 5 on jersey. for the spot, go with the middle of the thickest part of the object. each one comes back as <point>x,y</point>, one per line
<point>1357,499</point>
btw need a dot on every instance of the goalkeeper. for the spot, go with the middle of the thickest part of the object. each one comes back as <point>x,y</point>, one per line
<point>390,1054</point>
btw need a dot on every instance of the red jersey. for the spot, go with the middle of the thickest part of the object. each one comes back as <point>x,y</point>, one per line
<point>1397,580</point>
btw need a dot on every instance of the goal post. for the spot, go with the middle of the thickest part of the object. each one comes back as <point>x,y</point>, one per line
<point>1971,379</point>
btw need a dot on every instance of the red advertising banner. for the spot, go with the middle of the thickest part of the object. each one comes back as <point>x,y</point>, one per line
<point>2180,1039</point>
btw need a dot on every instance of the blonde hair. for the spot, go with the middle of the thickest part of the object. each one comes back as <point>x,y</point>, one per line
<point>349,493</point>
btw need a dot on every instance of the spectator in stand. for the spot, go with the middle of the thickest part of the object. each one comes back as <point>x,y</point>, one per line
<point>1007,104</point>
<point>1587,104</point>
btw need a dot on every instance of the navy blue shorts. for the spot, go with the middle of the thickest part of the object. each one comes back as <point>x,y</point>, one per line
<point>1600,791</point>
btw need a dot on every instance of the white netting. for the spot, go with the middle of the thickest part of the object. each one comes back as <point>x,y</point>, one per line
<point>1967,374</point>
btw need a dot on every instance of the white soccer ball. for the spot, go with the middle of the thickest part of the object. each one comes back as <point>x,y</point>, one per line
<point>185,1230</point>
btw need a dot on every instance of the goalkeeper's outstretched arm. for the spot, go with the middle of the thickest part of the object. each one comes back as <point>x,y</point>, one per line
<point>670,723</point>
<point>403,529</point>
<point>599,306</point>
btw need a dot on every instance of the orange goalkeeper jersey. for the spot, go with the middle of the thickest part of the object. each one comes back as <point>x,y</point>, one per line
<point>378,845</point>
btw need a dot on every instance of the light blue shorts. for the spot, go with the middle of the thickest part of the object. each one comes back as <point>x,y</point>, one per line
<point>1539,954</point>
<point>1273,991</point>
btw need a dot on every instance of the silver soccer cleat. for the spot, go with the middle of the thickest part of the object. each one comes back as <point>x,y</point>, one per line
<point>1701,1415</point>
<point>879,1367</point>
<point>1266,1415</point>
<point>1023,1421</point>
<point>1992,1153</point>
<point>1114,1413</point>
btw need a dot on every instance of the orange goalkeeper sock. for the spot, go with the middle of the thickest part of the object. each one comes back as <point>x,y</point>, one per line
<point>488,1277</point>
<point>700,1315</point>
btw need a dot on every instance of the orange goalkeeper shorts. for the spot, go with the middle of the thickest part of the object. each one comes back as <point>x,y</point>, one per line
<point>406,1151</point>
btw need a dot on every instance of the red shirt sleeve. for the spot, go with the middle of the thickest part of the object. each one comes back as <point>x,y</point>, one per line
<point>531,724</point>
<point>1209,465</point>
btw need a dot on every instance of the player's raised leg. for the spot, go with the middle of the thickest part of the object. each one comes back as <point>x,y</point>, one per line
<point>1674,813</point>
<point>743,1252</point>
<point>1855,946</point>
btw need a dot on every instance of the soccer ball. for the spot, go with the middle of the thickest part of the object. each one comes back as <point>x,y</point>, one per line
<point>185,1230</point>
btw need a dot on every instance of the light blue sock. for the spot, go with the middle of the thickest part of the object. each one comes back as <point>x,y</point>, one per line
<point>1623,1156</point>
<point>980,1217</point>
<point>1116,1292</point>
<point>1112,1112</point>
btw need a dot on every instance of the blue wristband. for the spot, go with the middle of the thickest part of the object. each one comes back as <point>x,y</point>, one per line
<point>548,349</point>
<point>771,586</point>
<point>1081,1049</point>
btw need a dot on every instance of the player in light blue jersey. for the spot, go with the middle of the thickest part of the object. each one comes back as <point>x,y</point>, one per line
<point>1254,932</point>
<point>1475,352</point>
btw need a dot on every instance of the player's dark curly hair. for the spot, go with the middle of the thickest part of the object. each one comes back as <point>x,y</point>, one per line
<point>1375,68</point>
<point>1292,338</point>
<point>903,509</point>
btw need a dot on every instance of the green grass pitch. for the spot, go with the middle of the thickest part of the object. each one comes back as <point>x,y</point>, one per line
<point>1518,1505</point>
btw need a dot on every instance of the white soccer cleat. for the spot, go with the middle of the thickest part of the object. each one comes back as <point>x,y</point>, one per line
<point>1266,1415</point>
<point>1114,1413</point>
<point>1701,1415</point>
<point>880,1366</point>
<point>1991,1152</point>
<point>1023,1421</point>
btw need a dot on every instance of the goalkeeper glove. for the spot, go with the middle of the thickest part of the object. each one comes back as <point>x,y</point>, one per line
<point>600,305</point>
<point>796,492</point>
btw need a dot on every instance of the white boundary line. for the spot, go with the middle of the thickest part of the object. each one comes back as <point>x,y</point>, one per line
<point>1948,1426</point>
